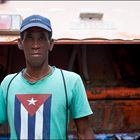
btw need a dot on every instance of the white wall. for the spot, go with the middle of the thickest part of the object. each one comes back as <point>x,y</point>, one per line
<point>121,18</point>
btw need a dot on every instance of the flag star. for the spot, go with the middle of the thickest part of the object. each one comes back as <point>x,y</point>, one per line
<point>32,101</point>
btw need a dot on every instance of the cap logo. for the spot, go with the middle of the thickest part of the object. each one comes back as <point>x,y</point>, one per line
<point>35,19</point>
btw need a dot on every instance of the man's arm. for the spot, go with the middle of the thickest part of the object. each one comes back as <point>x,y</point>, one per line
<point>2,108</point>
<point>84,129</point>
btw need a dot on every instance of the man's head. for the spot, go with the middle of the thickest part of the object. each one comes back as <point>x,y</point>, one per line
<point>36,41</point>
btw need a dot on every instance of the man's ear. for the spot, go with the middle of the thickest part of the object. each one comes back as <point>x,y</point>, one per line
<point>51,45</point>
<point>20,44</point>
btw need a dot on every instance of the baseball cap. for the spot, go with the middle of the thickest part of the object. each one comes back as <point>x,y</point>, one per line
<point>36,21</point>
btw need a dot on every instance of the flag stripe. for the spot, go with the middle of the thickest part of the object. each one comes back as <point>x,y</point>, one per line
<point>46,118</point>
<point>17,121</point>
<point>24,123</point>
<point>39,123</point>
<point>31,126</point>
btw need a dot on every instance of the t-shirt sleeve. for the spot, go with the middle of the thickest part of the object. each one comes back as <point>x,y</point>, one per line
<point>2,108</point>
<point>79,106</point>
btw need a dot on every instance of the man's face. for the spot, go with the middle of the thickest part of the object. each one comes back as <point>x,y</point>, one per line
<point>36,45</point>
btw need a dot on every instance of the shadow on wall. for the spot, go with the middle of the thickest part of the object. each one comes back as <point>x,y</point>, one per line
<point>2,72</point>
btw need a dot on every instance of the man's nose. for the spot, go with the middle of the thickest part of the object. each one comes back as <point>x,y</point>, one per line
<point>36,43</point>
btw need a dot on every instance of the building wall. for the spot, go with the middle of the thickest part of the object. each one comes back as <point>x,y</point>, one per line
<point>121,19</point>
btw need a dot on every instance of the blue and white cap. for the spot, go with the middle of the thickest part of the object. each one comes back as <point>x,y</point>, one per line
<point>36,21</point>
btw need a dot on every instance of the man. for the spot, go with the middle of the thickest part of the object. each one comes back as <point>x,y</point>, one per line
<point>40,98</point>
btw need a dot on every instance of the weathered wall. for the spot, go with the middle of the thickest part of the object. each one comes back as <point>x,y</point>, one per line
<point>121,19</point>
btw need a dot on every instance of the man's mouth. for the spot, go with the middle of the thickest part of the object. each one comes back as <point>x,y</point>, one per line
<point>35,54</point>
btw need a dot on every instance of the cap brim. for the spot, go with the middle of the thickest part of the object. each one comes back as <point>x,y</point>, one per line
<point>35,25</point>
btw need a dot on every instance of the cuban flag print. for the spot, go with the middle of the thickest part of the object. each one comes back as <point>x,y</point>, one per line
<point>32,116</point>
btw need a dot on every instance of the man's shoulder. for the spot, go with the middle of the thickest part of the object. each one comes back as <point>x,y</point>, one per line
<point>8,78</point>
<point>69,74</point>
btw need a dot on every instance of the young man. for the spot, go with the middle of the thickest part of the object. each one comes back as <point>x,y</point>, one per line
<point>39,99</point>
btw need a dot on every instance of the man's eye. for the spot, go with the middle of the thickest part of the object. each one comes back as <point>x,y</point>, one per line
<point>29,37</point>
<point>42,38</point>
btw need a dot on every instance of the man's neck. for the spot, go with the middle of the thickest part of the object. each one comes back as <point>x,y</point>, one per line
<point>35,74</point>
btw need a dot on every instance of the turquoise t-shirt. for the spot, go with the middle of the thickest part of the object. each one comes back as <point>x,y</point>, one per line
<point>38,110</point>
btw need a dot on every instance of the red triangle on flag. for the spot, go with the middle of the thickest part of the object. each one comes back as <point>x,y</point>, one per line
<point>32,102</point>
